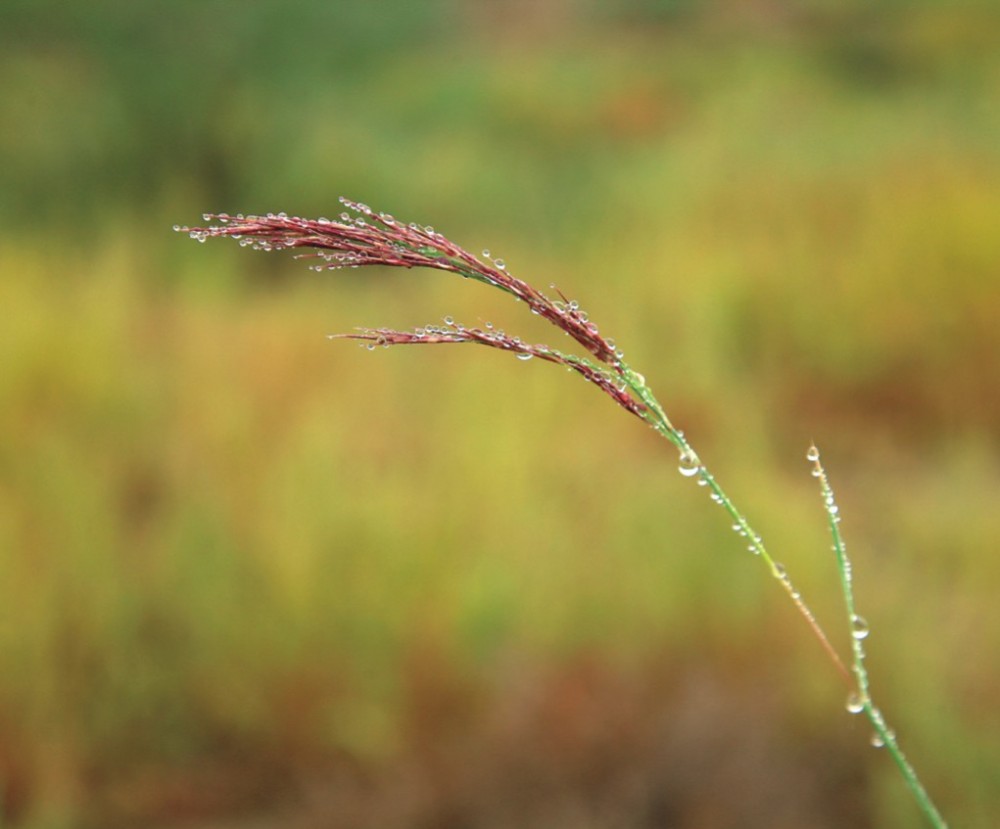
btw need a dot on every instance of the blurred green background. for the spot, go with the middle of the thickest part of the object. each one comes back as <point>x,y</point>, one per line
<point>253,578</point>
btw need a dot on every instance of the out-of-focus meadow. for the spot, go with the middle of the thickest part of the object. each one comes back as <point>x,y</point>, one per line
<point>250,577</point>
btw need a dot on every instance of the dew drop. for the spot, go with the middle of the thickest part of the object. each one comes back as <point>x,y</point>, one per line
<point>524,355</point>
<point>779,570</point>
<point>877,741</point>
<point>639,379</point>
<point>501,265</point>
<point>449,320</point>
<point>813,454</point>
<point>859,627</point>
<point>855,704</point>
<point>370,346</point>
<point>690,464</point>
<point>486,253</point>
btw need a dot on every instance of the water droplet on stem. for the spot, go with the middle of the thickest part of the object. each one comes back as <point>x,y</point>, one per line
<point>689,464</point>
<point>855,704</point>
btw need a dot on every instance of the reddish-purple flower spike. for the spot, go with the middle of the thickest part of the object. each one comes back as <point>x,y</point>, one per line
<point>371,238</point>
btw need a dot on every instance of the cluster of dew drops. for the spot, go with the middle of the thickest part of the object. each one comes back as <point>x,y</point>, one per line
<point>202,234</point>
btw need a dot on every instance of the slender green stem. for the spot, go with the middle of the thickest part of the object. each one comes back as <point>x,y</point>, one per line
<point>861,700</point>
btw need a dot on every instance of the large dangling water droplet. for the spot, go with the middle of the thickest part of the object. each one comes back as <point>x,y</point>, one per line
<point>855,703</point>
<point>859,627</point>
<point>689,463</point>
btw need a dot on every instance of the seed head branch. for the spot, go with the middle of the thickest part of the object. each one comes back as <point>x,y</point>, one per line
<point>452,333</point>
